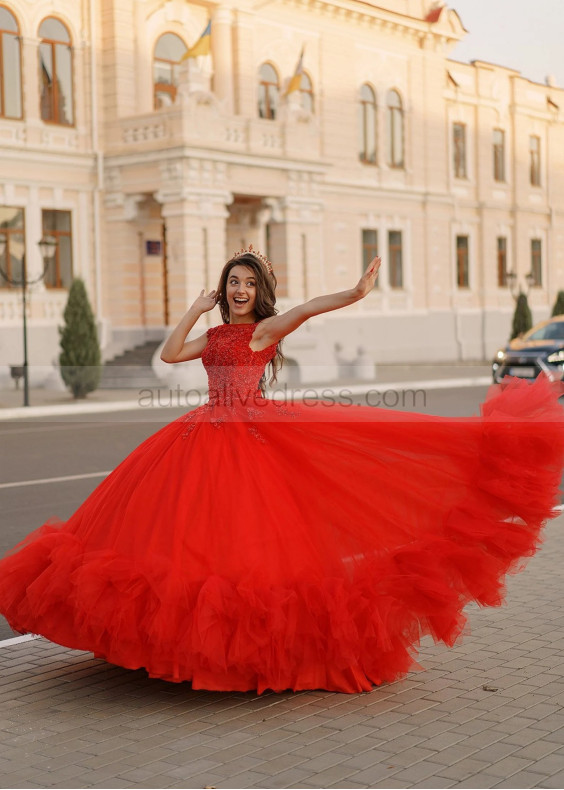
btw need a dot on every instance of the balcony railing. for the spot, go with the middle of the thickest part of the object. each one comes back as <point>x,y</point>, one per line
<point>180,126</point>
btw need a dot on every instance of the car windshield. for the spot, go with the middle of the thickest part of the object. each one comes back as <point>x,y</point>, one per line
<point>554,331</point>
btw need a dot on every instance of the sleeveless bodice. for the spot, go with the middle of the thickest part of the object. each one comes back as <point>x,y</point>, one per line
<point>234,370</point>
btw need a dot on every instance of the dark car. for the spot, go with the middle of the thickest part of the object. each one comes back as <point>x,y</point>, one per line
<point>541,348</point>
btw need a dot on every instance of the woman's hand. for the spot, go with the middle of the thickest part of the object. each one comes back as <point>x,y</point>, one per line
<point>204,302</point>
<point>366,282</point>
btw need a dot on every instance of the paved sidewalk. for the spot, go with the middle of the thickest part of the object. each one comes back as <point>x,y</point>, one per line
<point>488,713</point>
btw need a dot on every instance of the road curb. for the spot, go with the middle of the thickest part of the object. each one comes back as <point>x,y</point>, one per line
<point>296,394</point>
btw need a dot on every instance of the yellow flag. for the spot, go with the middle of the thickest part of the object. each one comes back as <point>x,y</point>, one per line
<point>296,82</point>
<point>202,45</point>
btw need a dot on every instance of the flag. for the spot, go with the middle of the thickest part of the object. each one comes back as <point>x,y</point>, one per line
<point>296,82</point>
<point>202,45</point>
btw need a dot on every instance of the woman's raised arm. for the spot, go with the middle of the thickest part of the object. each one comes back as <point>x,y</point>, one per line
<point>273,329</point>
<point>175,349</point>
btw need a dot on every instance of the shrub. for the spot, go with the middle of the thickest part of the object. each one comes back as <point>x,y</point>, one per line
<point>80,357</point>
<point>558,308</point>
<point>522,318</point>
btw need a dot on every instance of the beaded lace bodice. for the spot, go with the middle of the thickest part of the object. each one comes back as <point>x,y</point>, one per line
<point>234,370</point>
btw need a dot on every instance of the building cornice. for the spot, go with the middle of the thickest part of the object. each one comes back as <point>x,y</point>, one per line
<point>216,155</point>
<point>448,27</point>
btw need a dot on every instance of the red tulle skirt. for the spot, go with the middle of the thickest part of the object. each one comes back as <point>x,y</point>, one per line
<point>294,547</point>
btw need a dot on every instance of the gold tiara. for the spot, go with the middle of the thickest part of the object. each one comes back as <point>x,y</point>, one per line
<point>259,256</point>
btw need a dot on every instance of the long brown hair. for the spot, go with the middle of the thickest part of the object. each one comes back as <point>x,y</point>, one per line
<point>264,303</point>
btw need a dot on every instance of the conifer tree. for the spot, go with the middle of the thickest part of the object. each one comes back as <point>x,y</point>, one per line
<point>80,357</point>
<point>522,318</point>
<point>558,308</point>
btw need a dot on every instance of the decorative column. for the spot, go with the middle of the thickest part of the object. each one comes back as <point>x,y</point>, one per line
<point>303,235</point>
<point>195,213</point>
<point>120,255</point>
<point>118,58</point>
<point>222,52</point>
<point>296,236</point>
<point>30,78</point>
<point>244,66</point>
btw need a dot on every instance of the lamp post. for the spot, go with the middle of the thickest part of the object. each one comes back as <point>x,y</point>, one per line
<point>511,278</point>
<point>47,246</point>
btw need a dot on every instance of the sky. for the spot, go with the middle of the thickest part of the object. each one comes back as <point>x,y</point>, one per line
<point>526,35</point>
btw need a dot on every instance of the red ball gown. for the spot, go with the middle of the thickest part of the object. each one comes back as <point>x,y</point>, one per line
<point>252,544</point>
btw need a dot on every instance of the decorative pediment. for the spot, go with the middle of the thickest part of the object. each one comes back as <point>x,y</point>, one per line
<point>445,20</point>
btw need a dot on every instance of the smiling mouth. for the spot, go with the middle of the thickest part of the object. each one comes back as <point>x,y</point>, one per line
<point>240,301</point>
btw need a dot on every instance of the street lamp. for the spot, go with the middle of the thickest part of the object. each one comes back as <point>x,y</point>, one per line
<point>47,246</point>
<point>511,278</point>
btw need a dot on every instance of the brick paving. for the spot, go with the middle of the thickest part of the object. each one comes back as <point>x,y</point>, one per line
<point>488,713</point>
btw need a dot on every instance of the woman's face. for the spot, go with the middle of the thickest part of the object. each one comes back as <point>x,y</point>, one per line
<point>241,294</point>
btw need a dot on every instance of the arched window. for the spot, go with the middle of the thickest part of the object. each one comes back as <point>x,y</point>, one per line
<point>395,130</point>
<point>367,125</point>
<point>169,51</point>
<point>10,66</point>
<point>269,89</point>
<point>306,91</point>
<point>55,63</point>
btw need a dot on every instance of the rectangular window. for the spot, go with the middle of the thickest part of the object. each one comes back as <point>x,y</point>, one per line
<point>459,149</point>
<point>501,262</point>
<point>499,154</point>
<point>536,262</point>
<point>59,270</point>
<point>534,153</point>
<point>462,262</point>
<point>12,239</point>
<point>395,256</point>
<point>369,248</point>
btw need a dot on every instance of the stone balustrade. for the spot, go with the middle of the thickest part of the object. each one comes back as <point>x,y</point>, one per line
<point>199,124</point>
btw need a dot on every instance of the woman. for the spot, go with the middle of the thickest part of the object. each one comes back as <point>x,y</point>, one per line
<point>253,545</point>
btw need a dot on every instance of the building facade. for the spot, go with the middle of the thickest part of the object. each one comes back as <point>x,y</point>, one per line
<point>151,169</point>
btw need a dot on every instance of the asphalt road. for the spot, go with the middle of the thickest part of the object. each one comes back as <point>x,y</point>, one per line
<point>47,448</point>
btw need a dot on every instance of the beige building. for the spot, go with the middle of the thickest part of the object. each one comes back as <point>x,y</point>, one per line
<point>151,170</point>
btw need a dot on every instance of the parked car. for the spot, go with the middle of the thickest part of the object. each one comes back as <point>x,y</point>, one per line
<point>541,348</point>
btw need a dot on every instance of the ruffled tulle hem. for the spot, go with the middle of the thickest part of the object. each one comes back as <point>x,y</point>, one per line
<point>341,632</point>
<point>337,634</point>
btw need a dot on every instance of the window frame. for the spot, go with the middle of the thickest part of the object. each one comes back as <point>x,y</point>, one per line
<point>55,121</point>
<point>267,85</point>
<point>499,157</point>
<point>18,36</point>
<point>363,125</point>
<point>535,161</point>
<point>393,266</point>
<point>462,261</point>
<point>459,162</point>
<point>369,250</point>
<point>394,113</point>
<point>57,234</point>
<point>501,256</point>
<point>7,232</point>
<point>308,91</point>
<point>163,87</point>
<point>536,262</point>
